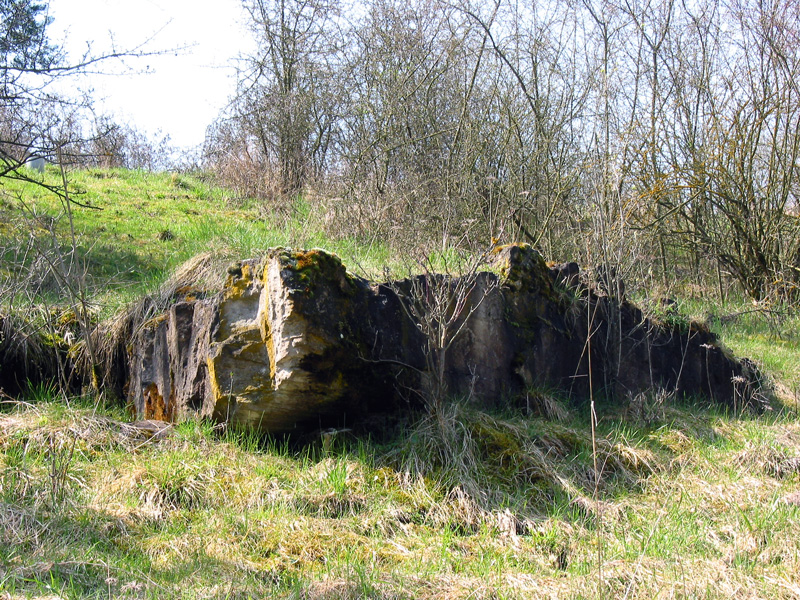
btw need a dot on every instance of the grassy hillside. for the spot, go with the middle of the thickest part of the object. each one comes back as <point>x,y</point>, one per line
<point>138,226</point>
<point>671,500</point>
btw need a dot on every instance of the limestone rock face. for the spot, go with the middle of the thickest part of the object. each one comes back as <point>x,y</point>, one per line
<point>168,367</point>
<point>295,340</point>
<point>285,343</point>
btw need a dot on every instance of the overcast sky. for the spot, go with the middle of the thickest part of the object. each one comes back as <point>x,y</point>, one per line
<point>178,93</point>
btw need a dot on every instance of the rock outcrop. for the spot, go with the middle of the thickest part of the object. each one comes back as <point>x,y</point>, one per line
<point>294,339</point>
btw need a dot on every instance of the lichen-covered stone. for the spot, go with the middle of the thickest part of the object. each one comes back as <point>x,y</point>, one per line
<point>267,355</point>
<point>286,342</point>
<point>294,339</point>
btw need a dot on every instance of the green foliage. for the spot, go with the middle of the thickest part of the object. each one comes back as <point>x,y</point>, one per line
<point>671,318</point>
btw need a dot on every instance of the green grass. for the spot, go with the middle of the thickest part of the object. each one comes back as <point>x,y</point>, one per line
<point>699,504</point>
<point>142,225</point>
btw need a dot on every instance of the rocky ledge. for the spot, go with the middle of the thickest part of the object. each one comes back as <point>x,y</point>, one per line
<point>293,340</point>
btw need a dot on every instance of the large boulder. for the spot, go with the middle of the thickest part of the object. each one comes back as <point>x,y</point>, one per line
<point>291,339</point>
<point>294,340</point>
<point>575,335</point>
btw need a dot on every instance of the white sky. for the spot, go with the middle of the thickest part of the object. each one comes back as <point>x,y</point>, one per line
<point>179,93</point>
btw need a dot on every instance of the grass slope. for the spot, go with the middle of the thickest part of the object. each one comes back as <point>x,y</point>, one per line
<point>140,226</point>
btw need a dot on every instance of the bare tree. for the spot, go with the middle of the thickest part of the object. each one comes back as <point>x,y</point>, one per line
<point>283,86</point>
<point>643,134</point>
<point>737,115</point>
<point>440,303</point>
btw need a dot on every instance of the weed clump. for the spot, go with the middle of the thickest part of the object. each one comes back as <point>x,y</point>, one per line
<point>492,458</point>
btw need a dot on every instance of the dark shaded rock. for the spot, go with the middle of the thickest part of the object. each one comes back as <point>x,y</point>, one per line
<point>294,340</point>
<point>629,353</point>
<point>169,373</point>
<point>566,275</point>
<point>32,355</point>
